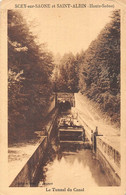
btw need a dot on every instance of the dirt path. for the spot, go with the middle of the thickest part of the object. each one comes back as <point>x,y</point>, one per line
<point>93,117</point>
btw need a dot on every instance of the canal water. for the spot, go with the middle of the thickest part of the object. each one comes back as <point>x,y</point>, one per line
<point>69,165</point>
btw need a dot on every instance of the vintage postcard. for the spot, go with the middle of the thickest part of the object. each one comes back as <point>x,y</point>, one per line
<point>63,94</point>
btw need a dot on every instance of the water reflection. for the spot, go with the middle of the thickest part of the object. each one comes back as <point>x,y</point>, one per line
<point>69,165</point>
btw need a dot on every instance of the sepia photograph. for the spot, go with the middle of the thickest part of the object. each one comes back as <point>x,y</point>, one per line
<point>64,98</point>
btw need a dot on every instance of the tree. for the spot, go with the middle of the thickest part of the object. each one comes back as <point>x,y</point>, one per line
<point>100,72</point>
<point>68,74</point>
<point>30,85</point>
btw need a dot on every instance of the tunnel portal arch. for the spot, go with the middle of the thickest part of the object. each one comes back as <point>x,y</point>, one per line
<point>65,99</point>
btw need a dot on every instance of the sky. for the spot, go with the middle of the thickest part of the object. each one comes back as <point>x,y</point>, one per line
<point>67,30</point>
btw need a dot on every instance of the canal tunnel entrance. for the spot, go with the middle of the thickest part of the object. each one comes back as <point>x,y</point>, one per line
<point>64,106</point>
<point>66,100</point>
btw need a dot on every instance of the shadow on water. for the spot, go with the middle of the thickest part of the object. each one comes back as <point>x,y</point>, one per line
<point>67,164</point>
<point>64,161</point>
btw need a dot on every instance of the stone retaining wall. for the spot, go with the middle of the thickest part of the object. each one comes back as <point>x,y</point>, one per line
<point>110,160</point>
<point>27,175</point>
<point>108,156</point>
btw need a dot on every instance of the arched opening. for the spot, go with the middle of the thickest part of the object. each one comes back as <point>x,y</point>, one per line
<point>64,106</point>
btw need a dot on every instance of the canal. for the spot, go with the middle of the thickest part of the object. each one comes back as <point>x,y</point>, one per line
<point>68,165</point>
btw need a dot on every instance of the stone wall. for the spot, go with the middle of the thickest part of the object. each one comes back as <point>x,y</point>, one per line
<point>110,160</point>
<point>108,156</point>
<point>27,175</point>
<point>61,97</point>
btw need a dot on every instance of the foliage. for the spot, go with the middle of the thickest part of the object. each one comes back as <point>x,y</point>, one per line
<point>100,69</point>
<point>30,68</point>
<point>67,80</point>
